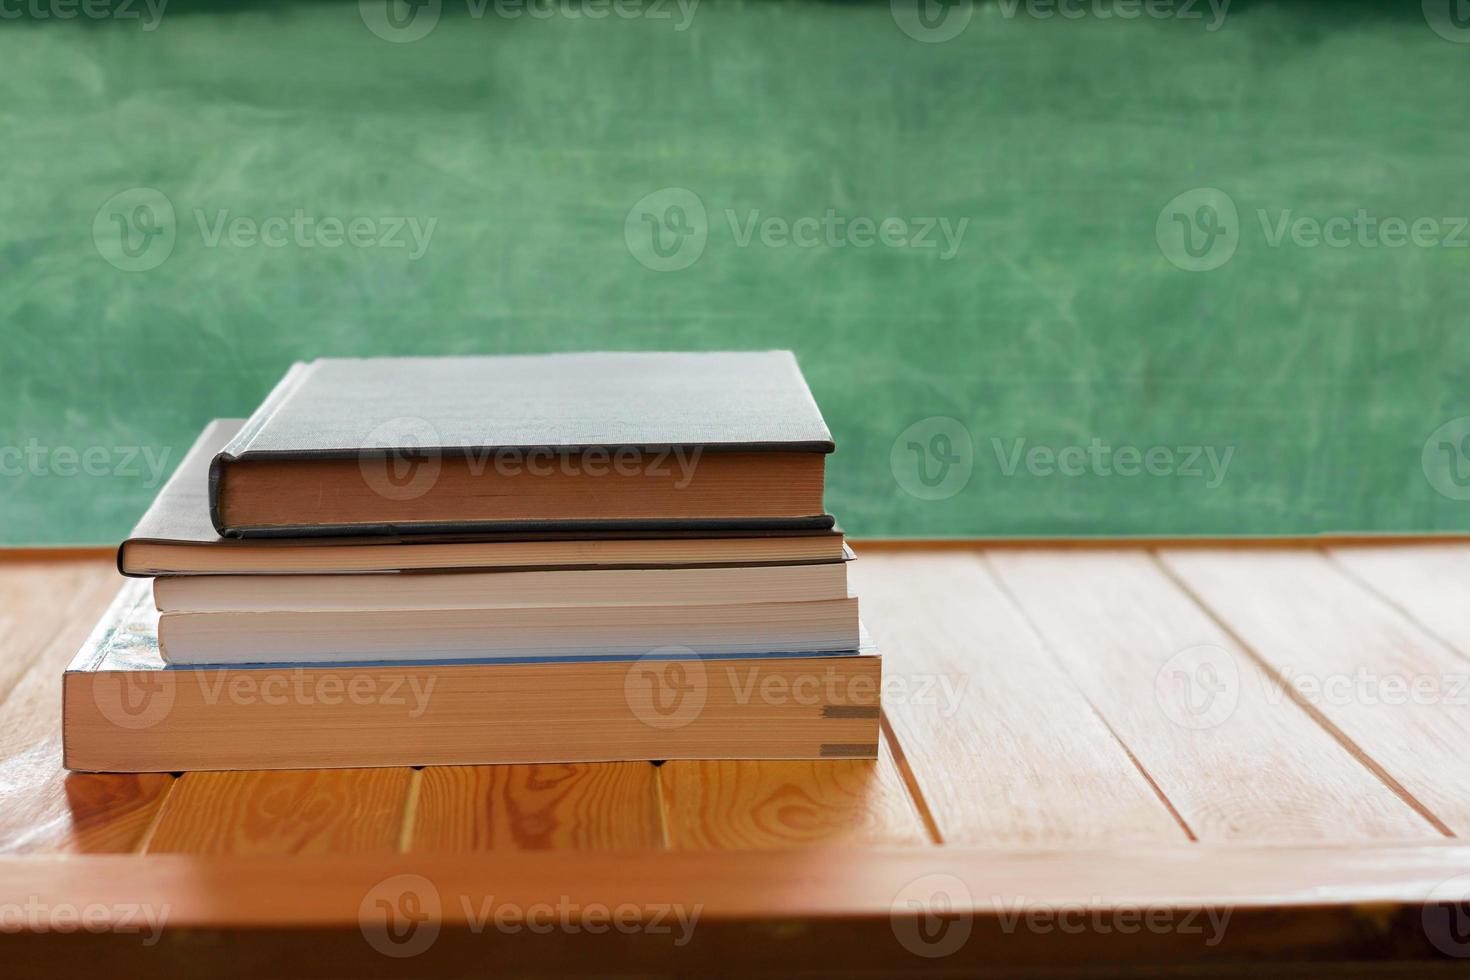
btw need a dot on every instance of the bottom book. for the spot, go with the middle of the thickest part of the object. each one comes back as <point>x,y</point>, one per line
<point>124,710</point>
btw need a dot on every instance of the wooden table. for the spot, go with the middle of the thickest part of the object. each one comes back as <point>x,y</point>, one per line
<point>1096,759</point>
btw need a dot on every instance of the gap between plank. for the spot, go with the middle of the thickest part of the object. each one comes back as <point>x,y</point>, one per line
<point>660,807</point>
<point>1148,777</point>
<point>910,781</point>
<point>410,810</point>
<point>1393,604</point>
<point>150,831</point>
<point>1353,749</point>
<point>994,575</point>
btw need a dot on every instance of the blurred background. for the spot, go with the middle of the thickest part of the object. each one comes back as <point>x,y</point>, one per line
<point>1052,267</point>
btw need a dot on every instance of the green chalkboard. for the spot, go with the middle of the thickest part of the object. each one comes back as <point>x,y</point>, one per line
<point>1046,274</point>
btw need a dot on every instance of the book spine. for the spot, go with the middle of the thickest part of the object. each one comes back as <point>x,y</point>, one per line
<point>240,445</point>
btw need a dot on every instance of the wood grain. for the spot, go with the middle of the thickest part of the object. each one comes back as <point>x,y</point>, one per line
<point>762,804</point>
<point>822,911</point>
<point>1003,748</point>
<point>1235,757</point>
<point>1391,690</point>
<point>43,808</point>
<point>1017,756</point>
<point>235,890</point>
<point>44,601</point>
<point>590,806</point>
<point>48,604</point>
<point>1429,583</point>
<point>300,811</point>
<point>49,608</point>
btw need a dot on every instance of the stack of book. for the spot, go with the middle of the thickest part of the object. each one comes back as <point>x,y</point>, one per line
<point>414,561</point>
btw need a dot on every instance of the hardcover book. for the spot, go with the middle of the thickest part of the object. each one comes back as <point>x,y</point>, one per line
<point>175,537</point>
<point>558,441</point>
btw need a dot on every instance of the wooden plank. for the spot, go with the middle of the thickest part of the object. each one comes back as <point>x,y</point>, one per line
<point>1225,908</point>
<point>764,804</point>
<point>1429,583</point>
<point>1235,757</point>
<point>40,599</point>
<point>298,811</point>
<point>1002,747</point>
<point>1392,691</point>
<point>592,806</point>
<point>326,889</point>
<point>49,603</point>
<point>46,809</point>
<point>47,608</point>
